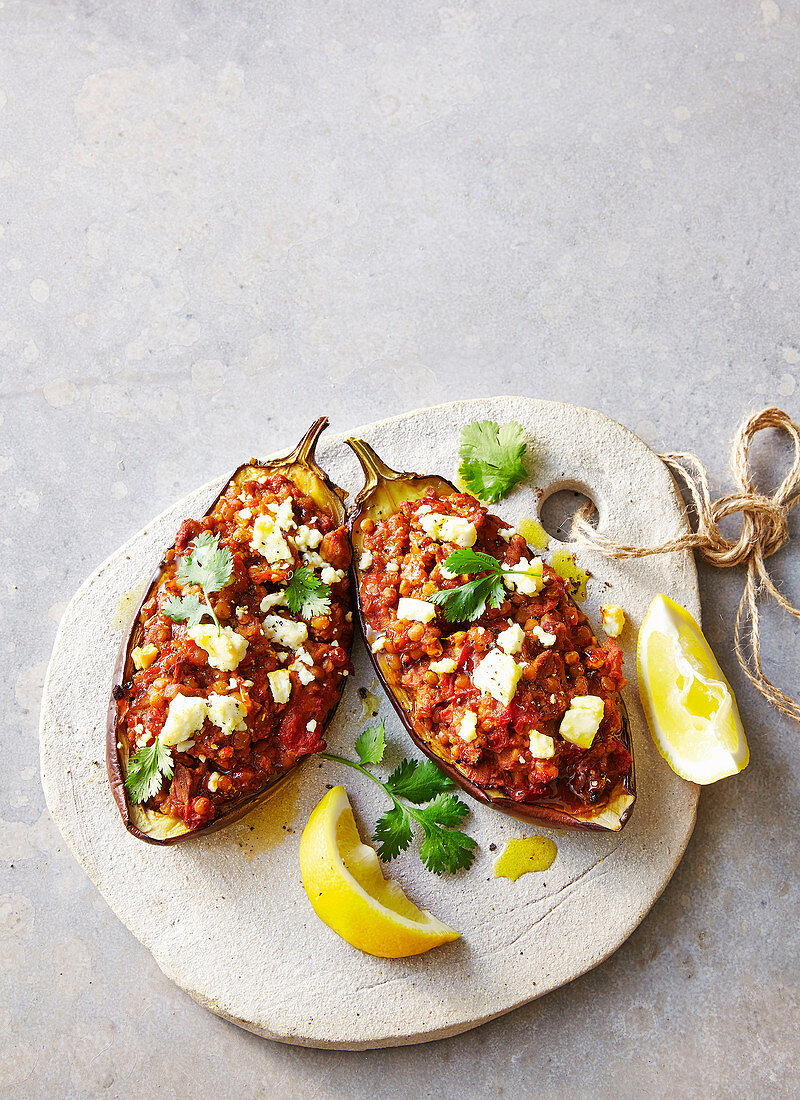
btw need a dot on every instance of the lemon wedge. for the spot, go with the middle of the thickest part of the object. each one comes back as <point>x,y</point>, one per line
<point>690,707</point>
<point>345,884</point>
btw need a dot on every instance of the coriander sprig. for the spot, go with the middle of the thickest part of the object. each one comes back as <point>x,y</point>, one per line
<point>444,847</point>
<point>146,769</point>
<point>492,458</point>
<point>307,595</point>
<point>209,565</point>
<point>470,600</point>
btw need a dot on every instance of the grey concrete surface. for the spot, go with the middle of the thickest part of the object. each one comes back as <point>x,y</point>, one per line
<point>219,219</point>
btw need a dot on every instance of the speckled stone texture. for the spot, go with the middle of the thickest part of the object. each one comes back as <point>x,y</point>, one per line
<point>221,219</point>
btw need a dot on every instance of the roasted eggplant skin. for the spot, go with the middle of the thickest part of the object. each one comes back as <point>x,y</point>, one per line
<point>383,493</point>
<point>299,466</point>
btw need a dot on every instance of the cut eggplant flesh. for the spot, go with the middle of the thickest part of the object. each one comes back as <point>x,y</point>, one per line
<point>384,492</point>
<point>149,824</point>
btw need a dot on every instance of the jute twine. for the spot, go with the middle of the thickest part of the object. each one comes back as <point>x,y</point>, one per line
<point>765,529</point>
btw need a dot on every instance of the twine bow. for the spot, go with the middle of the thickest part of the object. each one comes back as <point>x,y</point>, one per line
<point>765,529</point>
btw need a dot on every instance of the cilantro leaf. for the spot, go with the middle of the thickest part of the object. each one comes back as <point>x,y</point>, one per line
<point>447,810</point>
<point>469,601</point>
<point>184,609</point>
<point>491,458</point>
<point>465,560</point>
<point>371,743</point>
<point>446,849</point>
<point>306,595</point>
<point>209,565</point>
<point>418,781</point>
<point>147,769</point>
<point>393,833</point>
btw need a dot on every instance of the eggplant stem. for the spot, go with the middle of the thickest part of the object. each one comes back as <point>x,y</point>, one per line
<point>375,469</point>
<point>304,451</point>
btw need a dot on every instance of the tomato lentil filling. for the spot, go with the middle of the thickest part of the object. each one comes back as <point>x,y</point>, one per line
<point>221,763</point>
<point>558,659</point>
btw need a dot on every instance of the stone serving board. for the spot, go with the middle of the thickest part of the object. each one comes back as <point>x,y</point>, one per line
<point>226,917</point>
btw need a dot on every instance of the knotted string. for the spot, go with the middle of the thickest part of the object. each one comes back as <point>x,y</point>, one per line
<point>765,529</point>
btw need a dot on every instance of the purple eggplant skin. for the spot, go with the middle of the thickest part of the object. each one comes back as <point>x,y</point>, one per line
<point>383,493</point>
<point>300,466</point>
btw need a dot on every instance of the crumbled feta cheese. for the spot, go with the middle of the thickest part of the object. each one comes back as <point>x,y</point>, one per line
<point>244,513</point>
<point>268,541</point>
<point>329,575</point>
<point>468,726</point>
<point>225,648</point>
<point>582,721</point>
<point>497,675</point>
<point>506,533</point>
<point>446,573</point>
<point>312,725</point>
<point>280,684</point>
<point>314,560</point>
<point>423,510</point>
<point>227,712</point>
<point>284,516</point>
<point>447,664</point>
<point>285,632</point>
<point>144,656</point>
<point>307,538</point>
<point>378,644</point>
<point>449,529</point>
<point>365,561</point>
<point>274,599</point>
<point>213,782</point>
<point>185,716</point>
<point>613,619</point>
<point>526,577</point>
<point>544,636</point>
<point>511,638</point>
<point>419,611</point>
<point>542,746</point>
<point>304,674</point>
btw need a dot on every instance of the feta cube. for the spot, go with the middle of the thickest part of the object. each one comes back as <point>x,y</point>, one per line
<point>185,716</point>
<point>497,675</point>
<point>449,528</point>
<point>225,648</point>
<point>419,611</point>
<point>613,619</point>
<point>274,599</point>
<point>280,684</point>
<point>227,712</point>
<point>582,721</point>
<point>526,576</point>
<point>468,726</point>
<point>144,656</point>
<point>511,638</point>
<point>544,636</point>
<point>446,665</point>
<point>285,632</point>
<point>365,561</point>
<point>542,746</point>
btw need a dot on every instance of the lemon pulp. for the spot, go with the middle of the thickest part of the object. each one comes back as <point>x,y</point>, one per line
<point>346,886</point>
<point>689,704</point>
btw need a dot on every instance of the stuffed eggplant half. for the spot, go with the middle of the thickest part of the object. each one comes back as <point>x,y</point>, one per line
<point>493,669</point>
<point>237,657</point>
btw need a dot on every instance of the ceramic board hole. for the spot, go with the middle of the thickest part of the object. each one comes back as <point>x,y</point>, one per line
<point>557,511</point>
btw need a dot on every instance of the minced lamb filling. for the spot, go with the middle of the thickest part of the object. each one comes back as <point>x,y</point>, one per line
<point>239,708</point>
<point>524,699</point>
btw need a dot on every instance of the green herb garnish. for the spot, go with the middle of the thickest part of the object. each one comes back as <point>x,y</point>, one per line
<point>306,595</point>
<point>491,458</point>
<point>146,769</point>
<point>208,565</point>
<point>444,847</point>
<point>470,600</point>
